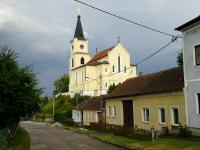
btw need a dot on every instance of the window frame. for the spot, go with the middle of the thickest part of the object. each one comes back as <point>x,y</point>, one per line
<point>144,112</point>
<point>172,112</point>
<point>160,115</point>
<point>195,56</point>
<point>198,103</point>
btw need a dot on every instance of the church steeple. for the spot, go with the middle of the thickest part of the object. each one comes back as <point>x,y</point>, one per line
<point>79,31</point>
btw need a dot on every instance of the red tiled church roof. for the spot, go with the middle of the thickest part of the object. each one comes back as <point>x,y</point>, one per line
<point>101,54</point>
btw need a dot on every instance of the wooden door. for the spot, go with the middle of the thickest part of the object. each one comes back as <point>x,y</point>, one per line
<point>128,113</point>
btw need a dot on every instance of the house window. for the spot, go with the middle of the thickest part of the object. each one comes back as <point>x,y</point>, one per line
<point>198,103</point>
<point>125,69</point>
<point>105,69</point>
<point>72,47</point>
<point>106,84</point>
<point>146,114</point>
<point>113,111</point>
<point>113,68</point>
<point>82,61</point>
<point>175,116</point>
<point>109,111</point>
<point>119,63</point>
<point>197,54</point>
<point>162,115</point>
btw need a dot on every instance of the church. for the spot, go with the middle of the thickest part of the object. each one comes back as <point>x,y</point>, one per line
<point>92,75</point>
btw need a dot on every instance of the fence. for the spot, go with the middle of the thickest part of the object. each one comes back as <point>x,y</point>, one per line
<point>7,135</point>
<point>121,130</point>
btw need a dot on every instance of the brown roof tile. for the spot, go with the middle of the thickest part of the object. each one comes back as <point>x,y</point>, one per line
<point>91,104</point>
<point>164,81</point>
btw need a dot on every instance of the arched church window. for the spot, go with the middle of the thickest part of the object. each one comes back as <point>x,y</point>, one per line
<point>82,61</point>
<point>119,64</point>
<point>72,63</point>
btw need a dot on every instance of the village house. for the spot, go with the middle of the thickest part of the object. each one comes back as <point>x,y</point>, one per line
<point>148,101</point>
<point>191,60</point>
<point>91,75</point>
<point>90,111</point>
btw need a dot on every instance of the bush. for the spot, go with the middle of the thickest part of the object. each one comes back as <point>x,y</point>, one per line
<point>63,118</point>
<point>184,132</point>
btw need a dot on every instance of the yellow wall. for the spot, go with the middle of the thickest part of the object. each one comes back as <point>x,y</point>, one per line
<point>166,100</point>
<point>90,116</point>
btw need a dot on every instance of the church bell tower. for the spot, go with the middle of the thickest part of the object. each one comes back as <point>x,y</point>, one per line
<point>79,47</point>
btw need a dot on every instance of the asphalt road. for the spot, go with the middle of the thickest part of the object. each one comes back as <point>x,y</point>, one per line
<point>44,137</point>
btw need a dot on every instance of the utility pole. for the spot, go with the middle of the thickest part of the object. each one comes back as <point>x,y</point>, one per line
<point>101,101</point>
<point>53,109</point>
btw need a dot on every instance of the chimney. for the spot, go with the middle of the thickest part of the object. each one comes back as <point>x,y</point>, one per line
<point>96,50</point>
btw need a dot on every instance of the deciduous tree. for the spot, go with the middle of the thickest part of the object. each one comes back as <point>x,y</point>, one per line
<point>19,92</point>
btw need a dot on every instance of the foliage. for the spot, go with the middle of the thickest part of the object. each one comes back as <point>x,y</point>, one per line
<point>21,141</point>
<point>180,59</point>
<point>63,105</point>
<point>61,84</point>
<point>19,92</point>
<point>44,100</point>
<point>112,88</point>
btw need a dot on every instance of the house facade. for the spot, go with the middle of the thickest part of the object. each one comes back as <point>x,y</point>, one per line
<point>148,101</point>
<point>91,75</point>
<point>191,60</point>
<point>90,111</point>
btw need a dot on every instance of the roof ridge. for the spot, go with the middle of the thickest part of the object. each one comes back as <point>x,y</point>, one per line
<point>153,73</point>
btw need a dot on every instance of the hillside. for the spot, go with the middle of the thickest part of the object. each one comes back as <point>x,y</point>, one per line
<point>63,105</point>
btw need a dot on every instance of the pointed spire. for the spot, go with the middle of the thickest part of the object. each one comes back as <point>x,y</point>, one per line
<point>79,31</point>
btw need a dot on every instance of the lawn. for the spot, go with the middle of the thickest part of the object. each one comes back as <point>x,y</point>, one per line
<point>139,144</point>
<point>21,141</point>
<point>161,144</point>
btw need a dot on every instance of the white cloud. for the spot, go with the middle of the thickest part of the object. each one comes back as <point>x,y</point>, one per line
<point>42,36</point>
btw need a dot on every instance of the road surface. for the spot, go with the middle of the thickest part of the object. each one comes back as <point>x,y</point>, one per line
<point>44,137</point>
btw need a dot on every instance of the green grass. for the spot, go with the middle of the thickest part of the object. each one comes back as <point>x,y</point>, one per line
<point>160,144</point>
<point>21,141</point>
<point>140,144</point>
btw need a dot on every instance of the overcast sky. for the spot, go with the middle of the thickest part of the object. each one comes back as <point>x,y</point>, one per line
<point>40,31</point>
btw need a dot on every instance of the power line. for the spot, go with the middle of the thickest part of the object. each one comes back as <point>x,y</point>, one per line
<point>128,20</point>
<point>146,58</point>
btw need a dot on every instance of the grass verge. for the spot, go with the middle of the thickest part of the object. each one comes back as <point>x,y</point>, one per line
<point>21,141</point>
<point>139,144</point>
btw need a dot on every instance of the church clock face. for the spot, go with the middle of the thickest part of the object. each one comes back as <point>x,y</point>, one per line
<point>81,46</point>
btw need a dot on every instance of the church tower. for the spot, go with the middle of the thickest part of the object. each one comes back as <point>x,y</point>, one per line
<point>79,47</point>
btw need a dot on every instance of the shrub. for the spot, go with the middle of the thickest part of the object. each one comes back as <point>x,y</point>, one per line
<point>184,132</point>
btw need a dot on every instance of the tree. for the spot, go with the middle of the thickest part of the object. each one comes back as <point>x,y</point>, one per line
<point>112,88</point>
<point>61,84</point>
<point>19,92</point>
<point>180,59</point>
